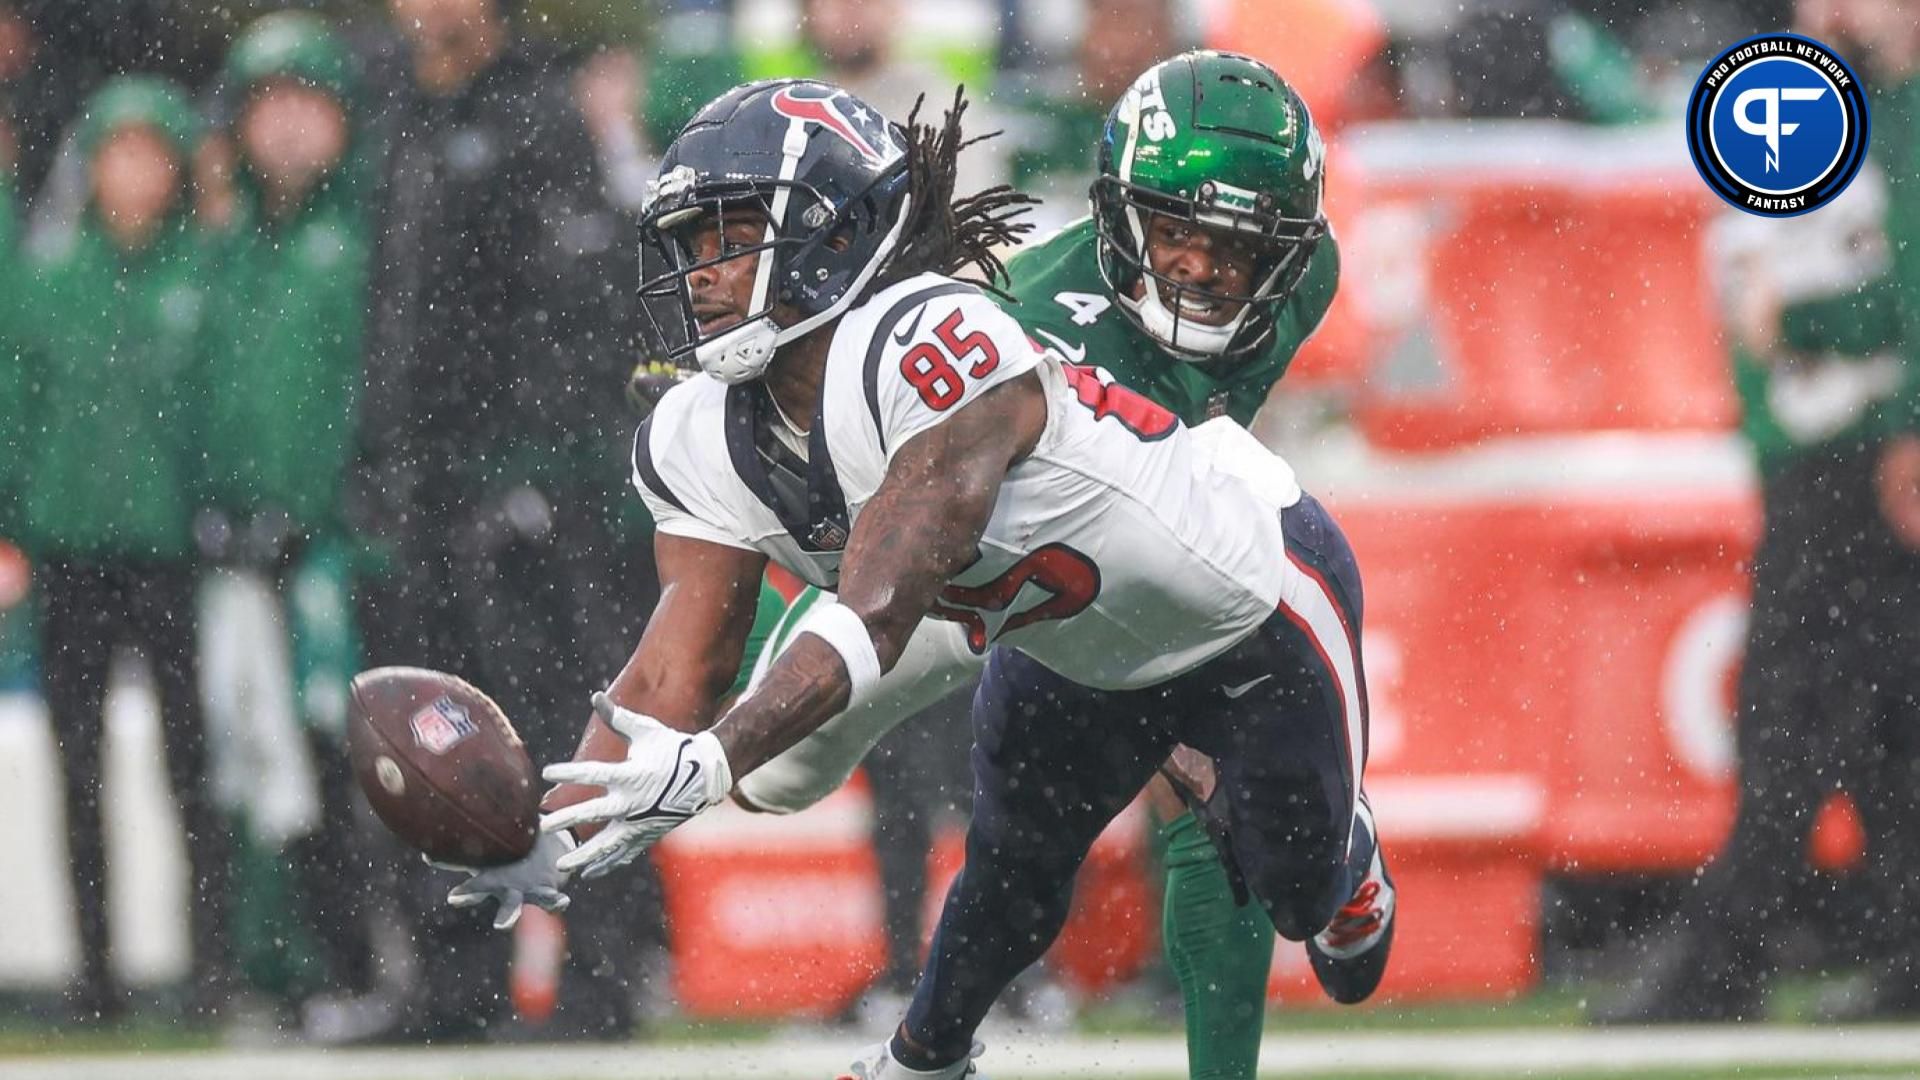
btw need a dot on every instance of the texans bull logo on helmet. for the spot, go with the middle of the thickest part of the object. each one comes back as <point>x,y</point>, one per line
<point>826,112</point>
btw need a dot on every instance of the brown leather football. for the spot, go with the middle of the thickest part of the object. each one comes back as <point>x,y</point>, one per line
<point>442,766</point>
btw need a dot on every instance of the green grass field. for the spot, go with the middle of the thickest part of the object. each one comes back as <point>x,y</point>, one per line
<point>1537,1036</point>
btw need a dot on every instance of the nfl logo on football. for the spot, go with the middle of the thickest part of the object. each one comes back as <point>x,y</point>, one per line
<point>440,726</point>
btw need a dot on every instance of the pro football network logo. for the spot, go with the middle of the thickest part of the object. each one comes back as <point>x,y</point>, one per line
<point>442,725</point>
<point>1777,125</point>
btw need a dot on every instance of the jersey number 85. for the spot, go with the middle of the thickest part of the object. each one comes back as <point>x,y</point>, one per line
<point>930,368</point>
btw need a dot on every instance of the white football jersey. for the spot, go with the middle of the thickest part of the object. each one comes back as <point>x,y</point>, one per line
<point>1126,549</point>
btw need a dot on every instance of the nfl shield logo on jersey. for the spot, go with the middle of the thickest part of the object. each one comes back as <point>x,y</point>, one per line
<point>828,535</point>
<point>440,726</point>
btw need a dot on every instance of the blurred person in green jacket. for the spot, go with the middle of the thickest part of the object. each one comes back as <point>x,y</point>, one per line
<point>16,643</point>
<point>11,385</point>
<point>283,375</point>
<point>285,344</point>
<point>113,335</point>
<point>1055,113</point>
<point>9,322</point>
<point>1828,686</point>
<point>1885,313</point>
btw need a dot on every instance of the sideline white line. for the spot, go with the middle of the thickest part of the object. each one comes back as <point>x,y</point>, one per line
<point>814,1057</point>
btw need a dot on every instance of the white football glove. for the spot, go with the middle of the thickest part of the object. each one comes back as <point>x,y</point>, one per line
<point>536,879</point>
<point>667,778</point>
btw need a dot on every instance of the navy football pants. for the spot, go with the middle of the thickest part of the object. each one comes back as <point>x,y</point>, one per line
<point>1282,714</point>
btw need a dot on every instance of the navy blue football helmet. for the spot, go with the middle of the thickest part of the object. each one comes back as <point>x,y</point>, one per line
<point>829,173</point>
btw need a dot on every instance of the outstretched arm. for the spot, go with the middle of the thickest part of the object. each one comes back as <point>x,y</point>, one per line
<point>921,528</point>
<point>685,661</point>
<point>689,654</point>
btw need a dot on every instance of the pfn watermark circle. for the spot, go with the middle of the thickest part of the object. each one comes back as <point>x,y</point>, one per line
<point>1777,125</point>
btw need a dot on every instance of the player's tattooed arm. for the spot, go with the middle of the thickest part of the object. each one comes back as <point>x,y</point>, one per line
<point>921,528</point>
<point>689,654</point>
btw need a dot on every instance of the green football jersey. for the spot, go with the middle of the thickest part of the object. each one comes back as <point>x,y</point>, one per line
<point>1065,303</point>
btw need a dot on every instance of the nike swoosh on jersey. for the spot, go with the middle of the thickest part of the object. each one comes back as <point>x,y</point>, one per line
<point>1075,354</point>
<point>901,337</point>
<point>1241,690</point>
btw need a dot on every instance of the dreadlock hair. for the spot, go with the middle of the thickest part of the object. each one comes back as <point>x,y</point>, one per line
<point>942,234</point>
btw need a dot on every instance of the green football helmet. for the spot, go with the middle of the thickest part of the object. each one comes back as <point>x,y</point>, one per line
<point>1220,141</point>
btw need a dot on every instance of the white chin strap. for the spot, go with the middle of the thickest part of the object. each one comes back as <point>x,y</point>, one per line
<point>739,354</point>
<point>1185,334</point>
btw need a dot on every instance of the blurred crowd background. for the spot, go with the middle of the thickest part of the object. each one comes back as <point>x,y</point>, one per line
<point>318,355</point>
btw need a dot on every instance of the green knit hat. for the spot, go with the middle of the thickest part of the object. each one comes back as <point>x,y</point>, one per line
<point>143,101</point>
<point>291,44</point>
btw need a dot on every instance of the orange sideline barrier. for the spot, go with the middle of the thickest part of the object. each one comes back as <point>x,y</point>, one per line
<point>1551,679</point>
<point>1515,282</point>
<point>1655,602</point>
<point>1321,45</point>
<point>774,916</point>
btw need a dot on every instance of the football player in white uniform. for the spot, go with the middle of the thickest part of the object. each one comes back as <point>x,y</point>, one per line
<point>884,430</point>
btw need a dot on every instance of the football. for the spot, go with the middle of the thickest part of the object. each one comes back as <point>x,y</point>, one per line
<point>442,766</point>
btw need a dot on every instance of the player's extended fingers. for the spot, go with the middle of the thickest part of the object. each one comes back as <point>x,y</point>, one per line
<point>548,899</point>
<point>467,894</point>
<point>610,844</point>
<point>610,862</point>
<point>604,808</point>
<point>631,724</point>
<point>590,851</point>
<point>509,913</point>
<point>438,865</point>
<point>591,773</point>
<point>636,838</point>
<point>604,706</point>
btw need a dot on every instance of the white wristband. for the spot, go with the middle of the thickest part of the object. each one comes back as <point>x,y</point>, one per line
<point>838,626</point>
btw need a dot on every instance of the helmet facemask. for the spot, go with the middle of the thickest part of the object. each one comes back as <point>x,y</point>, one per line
<point>791,263</point>
<point>671,328</point>
<point>1122,212</point>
